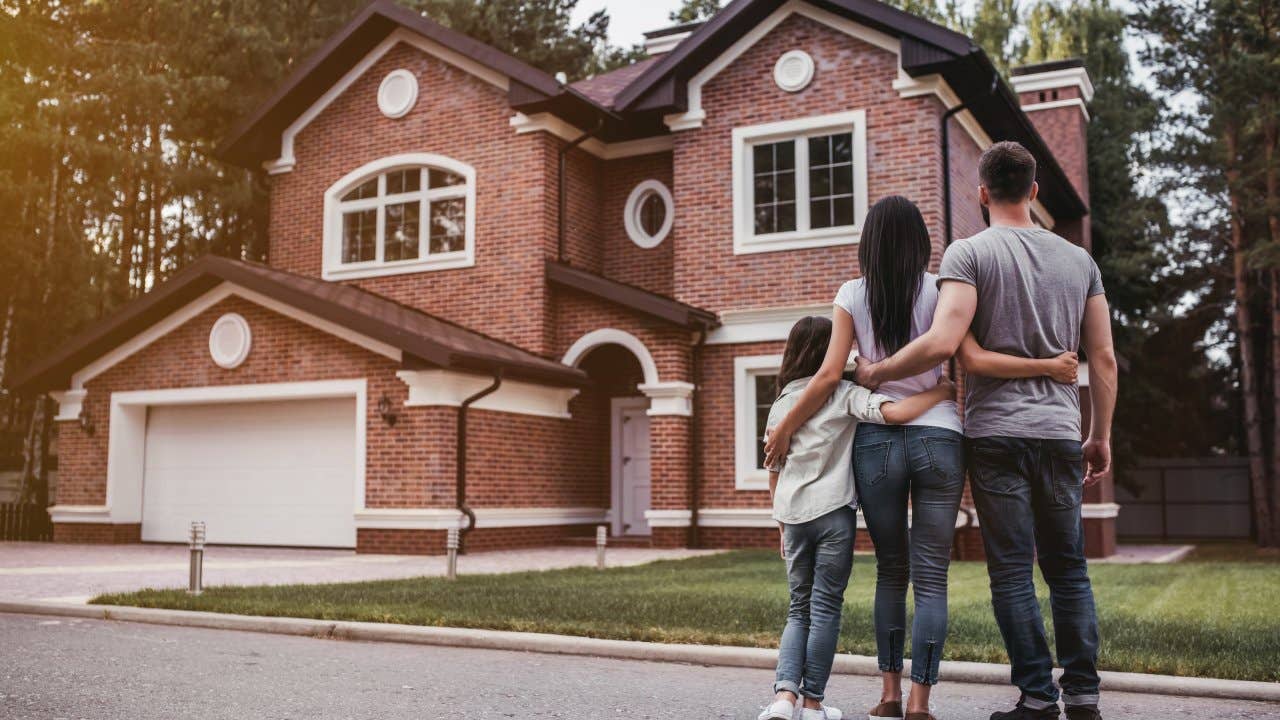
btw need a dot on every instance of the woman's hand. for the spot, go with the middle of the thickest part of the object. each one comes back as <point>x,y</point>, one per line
<point>776,444</point>
<point>1064,368</point>
<point>947,387</point>
<point>862,373</point>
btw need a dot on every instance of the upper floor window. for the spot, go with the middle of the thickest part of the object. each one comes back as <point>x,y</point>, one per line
<point>753,388</point>
<point>405,213</point>
<point>799,183</point>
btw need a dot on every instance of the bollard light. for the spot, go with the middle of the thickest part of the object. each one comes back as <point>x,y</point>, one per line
<point>602,538</point>
<point>451,549</point>
<point>195,584</point>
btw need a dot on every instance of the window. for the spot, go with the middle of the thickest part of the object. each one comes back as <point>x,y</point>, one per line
<point>753,384</point>
<point>407,213</point>
<point>649,214</point>
<point>799,183</point>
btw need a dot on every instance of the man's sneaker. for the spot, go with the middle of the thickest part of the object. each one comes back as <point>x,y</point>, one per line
<point>1022,712</point>
<point>1083,712</point>
<point>779,710</point>
<point>826,712</point>
<point>886,711</point>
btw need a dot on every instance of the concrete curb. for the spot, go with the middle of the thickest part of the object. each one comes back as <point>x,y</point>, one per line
<point>719,655</point>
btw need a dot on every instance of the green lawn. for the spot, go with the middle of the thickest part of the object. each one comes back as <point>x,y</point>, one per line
<point>1216,619</point>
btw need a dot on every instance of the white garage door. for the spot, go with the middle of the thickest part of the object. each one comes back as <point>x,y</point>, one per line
<point>262,473</point>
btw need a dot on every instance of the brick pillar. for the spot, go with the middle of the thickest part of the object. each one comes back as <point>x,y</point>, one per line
<point>669,468</point>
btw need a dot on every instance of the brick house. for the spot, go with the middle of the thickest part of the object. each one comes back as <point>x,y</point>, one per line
<point>496,301</point>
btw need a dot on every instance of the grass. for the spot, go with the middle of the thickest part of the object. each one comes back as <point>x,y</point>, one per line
<point>1215,619</point>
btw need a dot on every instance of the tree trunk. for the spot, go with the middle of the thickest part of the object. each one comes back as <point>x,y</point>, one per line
<point>35,450</point>
<point>1244,333</point>
<point>1270,134</point>
<point>157,204</point>
<point>51,223</point>
<point>127,217</point>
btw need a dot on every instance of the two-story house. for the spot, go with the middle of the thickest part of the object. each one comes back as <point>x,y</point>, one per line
<point>527,308</point>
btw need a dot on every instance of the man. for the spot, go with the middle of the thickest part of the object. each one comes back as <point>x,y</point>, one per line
<point>1025,291</point>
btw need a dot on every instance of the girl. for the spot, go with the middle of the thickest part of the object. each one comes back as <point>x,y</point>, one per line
<point>921,462</point>
<point>813,503</point>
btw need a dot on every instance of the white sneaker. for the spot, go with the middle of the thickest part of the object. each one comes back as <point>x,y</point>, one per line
<point>826,712</point>
<point>779,710</point>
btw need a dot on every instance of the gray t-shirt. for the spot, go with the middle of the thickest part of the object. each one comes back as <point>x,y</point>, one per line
<point>1032,287</point>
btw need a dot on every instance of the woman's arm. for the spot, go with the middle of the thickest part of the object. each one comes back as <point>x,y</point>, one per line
<point>818,390</point>
<point>981,361</point>
<point>903,411</point>
<point>782,533</point>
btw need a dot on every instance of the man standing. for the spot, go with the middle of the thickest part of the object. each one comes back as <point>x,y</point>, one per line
<point>1025,291</point>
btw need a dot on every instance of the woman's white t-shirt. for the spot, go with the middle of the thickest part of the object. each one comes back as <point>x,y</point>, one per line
<point>852,298</point>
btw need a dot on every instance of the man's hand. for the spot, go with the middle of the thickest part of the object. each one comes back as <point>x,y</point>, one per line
<point>1097,457</point>
<point>1064,368</point>
<point>776,444</point>
<point>863,374</point>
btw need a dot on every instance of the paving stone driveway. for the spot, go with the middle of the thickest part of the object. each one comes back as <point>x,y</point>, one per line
<point>75,573</point>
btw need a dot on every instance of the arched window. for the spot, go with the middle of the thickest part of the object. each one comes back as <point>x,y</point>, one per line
<point>406,213</point>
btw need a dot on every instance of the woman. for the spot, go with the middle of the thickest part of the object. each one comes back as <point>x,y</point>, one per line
<point>921,462</point>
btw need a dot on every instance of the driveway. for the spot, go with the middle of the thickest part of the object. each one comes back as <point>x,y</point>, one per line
<point>74,573</point>
<point>69,668</point>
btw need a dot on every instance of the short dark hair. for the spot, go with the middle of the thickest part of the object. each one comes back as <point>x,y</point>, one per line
<point>1008,171</point>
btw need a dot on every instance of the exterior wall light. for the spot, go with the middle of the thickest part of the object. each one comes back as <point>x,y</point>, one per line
<point>389,416</point>
<point>86,422</point>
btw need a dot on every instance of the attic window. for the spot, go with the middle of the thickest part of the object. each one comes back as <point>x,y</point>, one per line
<point>401,214</point>
<point>649,214</point>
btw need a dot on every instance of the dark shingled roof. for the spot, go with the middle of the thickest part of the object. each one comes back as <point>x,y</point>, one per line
<point>630,296</point>
<point>425,340</point>
<point>605,87</point>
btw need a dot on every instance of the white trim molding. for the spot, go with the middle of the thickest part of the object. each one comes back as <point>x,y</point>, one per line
<point>745,239</point>
<point>1099,511</point>
<point>126,445</point>
<point>635,203</point>
<point>761,324</point>
<point>613,336</point>
<point>747,474</point>
<point>287,161</point>
<point>548,123</point>
<point>333,268</point>
<point>448,388</point>
<point>70,404</point>
<point>673,397</point>
<point>445,518</point>
<point>1052,104</point>
<point>396,102</point>
<point>1076,77</point>
<point>80,513</point>
<point>794,71</point>
<point>668,518</point>
<point>664,43</point>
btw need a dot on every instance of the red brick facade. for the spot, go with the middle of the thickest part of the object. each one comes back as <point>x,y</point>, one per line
<point>518,460</point>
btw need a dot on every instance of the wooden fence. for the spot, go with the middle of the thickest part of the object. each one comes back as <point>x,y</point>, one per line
<point>1186,499</point>
<point>25,521</point>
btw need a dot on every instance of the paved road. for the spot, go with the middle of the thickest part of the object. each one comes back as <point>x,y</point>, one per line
<point>64,668</point>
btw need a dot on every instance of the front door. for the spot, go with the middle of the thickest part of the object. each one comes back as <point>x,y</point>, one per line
<point>630,445</point>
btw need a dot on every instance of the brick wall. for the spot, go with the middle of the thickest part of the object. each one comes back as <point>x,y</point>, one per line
<point>650,268</point>
<point>1065,130</point>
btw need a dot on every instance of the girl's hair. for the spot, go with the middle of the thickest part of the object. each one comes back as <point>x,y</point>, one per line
<point>893,255</point>
<point>806,348</point>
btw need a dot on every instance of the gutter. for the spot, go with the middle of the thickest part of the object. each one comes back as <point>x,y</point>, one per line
<point>695,442</point>
<point>562,199</point>
<point>460,459</point>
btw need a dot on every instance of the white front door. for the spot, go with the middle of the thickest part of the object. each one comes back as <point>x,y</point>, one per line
<point>630,446</point>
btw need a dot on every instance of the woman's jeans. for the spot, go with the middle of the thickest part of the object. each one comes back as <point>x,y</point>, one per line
<point>819,560</point>
<point>894,463</point>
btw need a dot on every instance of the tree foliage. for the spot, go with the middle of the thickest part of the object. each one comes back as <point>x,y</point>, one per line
<point>695,10</point>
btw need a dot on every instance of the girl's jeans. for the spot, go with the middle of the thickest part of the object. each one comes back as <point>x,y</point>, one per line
<point>926,465</point>
<point>819,561</point>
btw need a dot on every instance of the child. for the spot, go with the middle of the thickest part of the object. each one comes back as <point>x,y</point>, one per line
<point>813,502</point>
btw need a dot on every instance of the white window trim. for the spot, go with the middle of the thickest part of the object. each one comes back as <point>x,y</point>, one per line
<point>631,219</point>
<point>746,475</point>
<point>744,138</point>
<point>335,269</point>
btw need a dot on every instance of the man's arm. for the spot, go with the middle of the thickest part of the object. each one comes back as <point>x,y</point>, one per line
<point>1103,376</point>
<point>980,361</point>
<point>957,303</point>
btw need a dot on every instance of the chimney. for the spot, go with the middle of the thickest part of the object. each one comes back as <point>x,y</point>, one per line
<point>660,42</point>
<point>1055,95</point>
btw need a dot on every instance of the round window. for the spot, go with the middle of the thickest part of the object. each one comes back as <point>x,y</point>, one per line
<point>649,214</point>
<point>397,93</point>
<point>793,71</point>
<point>230,340</point>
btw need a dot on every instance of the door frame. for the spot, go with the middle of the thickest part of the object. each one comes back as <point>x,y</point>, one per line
<point>616,406</point>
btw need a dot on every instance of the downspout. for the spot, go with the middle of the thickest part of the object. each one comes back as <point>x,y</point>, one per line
<point>460,461</point>
<point>695,440</point>
<point>946,196</point>
<point>561,198</point>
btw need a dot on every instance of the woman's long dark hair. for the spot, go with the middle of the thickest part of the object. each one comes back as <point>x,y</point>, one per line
<point>806,347</point>
<point>893,255</point>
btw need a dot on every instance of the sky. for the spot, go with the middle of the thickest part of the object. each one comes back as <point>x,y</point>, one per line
<point>629,19</point>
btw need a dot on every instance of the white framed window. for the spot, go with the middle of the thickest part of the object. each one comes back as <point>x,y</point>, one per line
<point>753,393</point>
<point>649,214</point>
<point>400,214</point>
<point>799,183</point>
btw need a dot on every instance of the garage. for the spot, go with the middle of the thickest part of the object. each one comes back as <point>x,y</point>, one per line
<point>257,473</point>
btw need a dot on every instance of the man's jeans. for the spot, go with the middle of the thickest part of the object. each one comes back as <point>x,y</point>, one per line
<point>819,560</point>
<point>1028,494</point>
<point>894,463</point>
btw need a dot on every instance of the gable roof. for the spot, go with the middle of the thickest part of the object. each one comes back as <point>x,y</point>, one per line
<point>424,340</point>
<point>630,296</point>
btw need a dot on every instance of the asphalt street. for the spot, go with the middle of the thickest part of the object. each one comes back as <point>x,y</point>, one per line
<point>99,670</point>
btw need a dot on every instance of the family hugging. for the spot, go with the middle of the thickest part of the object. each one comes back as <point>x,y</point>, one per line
<point>1014,303</point>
